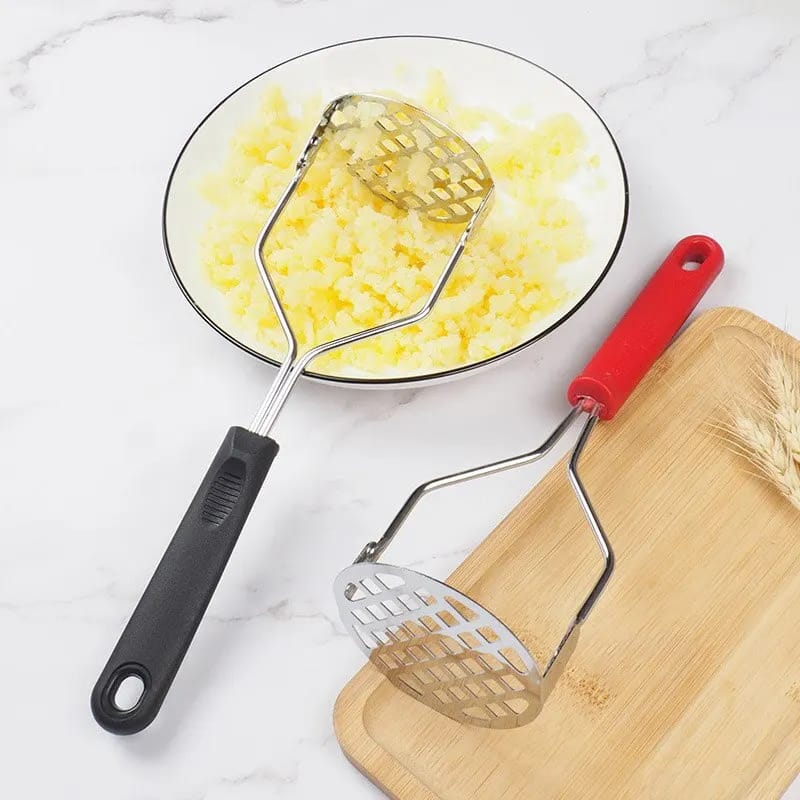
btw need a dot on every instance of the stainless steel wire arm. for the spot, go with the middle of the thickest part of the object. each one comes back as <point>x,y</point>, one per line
<point>373,550</point>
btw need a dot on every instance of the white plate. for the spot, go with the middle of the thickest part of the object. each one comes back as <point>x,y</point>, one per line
<point>476,74</point>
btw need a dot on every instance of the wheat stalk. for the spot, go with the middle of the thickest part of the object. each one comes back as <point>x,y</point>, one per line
<point>768,433</point>
<point>784,389</point>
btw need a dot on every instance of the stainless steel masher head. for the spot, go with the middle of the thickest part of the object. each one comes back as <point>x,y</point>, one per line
<point>402,154</point>
<point>440,646</point>
<point>407,156</point>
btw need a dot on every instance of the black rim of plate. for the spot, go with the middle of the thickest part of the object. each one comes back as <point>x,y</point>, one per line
<point>408,379</point>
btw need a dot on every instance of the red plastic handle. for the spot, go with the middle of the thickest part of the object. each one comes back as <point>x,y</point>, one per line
<point>649,325</point>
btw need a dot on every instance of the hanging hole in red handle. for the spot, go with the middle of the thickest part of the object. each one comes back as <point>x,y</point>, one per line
<point>698,249</point>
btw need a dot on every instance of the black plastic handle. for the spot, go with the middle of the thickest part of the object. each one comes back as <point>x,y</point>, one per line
<point>162,626</point>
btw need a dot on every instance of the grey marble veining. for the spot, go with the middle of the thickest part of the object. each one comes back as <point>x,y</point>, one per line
<point>19,67</point>
<point>114,394</point>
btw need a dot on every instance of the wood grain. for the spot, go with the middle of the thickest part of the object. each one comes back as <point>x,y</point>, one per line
<point>686,680</point>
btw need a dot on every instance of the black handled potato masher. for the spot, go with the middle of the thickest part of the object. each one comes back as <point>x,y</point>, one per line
<point>439,645</point>
<point>456,189</point>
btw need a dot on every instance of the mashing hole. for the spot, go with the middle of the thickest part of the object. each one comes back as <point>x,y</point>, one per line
<point>362,616</point>
<point>418,654</point>
<point>392,606</point>
<point>451,646</point>
<point>389,661</point>
<point>488,634</point>
<point>490,663</point>
<point>517,705</point>
<point>471,665</point>
<point>493,686</point>
<point>430,623</point>
<point>512,683</point>
<point>408,602</point>
<point>370,586</point>
<point>389,581</point>
<point>382,638</point>
<point>411,687</point>
<point>513,659</point>
<point>425,596</point>
<point>128,693</point>
<point>496,709</point>
<point>407,630</point>
<point>455,670</point>
<point>464,611</point>
<point>369,641</point>
<point>377,611</point>
<point>457,209</point>
<point>434,129</point>
<point>477,712</point>
<point>424,677</point>
<point>458,693</point>
<point>442,696</point>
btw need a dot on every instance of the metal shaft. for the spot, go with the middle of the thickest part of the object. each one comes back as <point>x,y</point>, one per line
<point>567,643</point>
<point>591,515</point>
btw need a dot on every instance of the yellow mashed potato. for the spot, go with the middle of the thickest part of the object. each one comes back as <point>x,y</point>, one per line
<point>344,259</point>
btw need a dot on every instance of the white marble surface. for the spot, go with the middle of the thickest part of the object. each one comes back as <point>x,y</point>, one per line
<point>114,394</point>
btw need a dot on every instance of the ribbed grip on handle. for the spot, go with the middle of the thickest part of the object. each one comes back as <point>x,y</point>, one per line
<point>649,325</point>
<point>162,626</point>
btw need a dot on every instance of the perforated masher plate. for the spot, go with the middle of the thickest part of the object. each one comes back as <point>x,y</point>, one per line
<point>459,179</point>
<point>439,646</point>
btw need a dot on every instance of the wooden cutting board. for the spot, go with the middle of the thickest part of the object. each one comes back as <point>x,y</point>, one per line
<point>686,679</point>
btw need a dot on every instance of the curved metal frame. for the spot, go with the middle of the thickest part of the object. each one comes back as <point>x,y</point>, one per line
<point>294,365</point>
<point>373,550</point>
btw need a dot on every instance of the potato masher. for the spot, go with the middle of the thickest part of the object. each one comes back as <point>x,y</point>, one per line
<point>439,645</point>
<point>402,154</point>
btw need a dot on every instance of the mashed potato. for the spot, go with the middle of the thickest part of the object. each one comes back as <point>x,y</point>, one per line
<point>343,259</point>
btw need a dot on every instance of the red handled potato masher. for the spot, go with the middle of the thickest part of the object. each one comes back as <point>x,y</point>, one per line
<point>439,645</point>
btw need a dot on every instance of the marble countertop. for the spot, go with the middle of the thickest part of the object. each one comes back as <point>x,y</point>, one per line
<point>114,393</point>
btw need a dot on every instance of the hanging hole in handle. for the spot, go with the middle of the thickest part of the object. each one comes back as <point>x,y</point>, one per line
<point>696,252</point>
<point>127,689</point>
<point>128,693</point>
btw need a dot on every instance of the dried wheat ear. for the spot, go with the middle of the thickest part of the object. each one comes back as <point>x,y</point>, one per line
<point>766,429</point>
